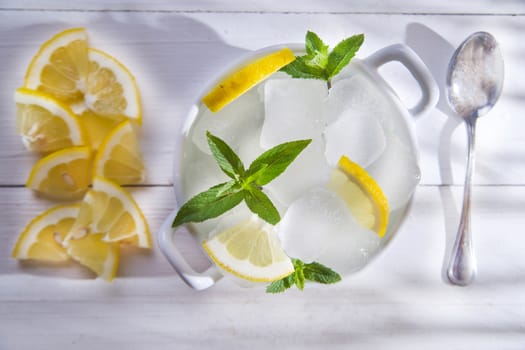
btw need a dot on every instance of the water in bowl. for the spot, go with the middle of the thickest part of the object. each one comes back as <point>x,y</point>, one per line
<point>354,118</point>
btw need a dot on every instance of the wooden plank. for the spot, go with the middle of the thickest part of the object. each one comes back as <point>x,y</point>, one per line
<point>399,301</point>
<point>289,6</point>
<point>174,55</point>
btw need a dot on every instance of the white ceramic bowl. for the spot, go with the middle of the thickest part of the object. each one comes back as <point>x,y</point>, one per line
<point>366,68</point>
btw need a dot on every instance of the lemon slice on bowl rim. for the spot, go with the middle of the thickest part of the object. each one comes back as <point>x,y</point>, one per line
<point>250,250</point>
<point>61,65</point>
<point>42,238</point>
<point>363,196</point>
<point>110,210</point>
<point>64,174</point>
<point>244,78</point>
<point>111,90</point>
<point>119,157</point>
<point>46,124</point>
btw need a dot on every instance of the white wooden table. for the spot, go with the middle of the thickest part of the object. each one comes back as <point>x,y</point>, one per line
<point>399,302</point>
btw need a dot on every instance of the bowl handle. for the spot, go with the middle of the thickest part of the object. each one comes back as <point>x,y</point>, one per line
<point>408,58</point>
<point>194,279</point>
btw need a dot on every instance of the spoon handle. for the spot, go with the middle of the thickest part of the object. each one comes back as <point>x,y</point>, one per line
<point>462,265</point>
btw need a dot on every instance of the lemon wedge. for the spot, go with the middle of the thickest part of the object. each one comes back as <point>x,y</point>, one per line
<point>96,127</point>
<point>61,65</point>
<point>362,194</point>
<point>250,250</point>
<point>119,157</point>
<point>99,256</point>
<point>111,89</point>
<point>245,78</point>
<point>64,174</point>
<point>43,236</point>
<point>44,123</point>
<point>110,210</point>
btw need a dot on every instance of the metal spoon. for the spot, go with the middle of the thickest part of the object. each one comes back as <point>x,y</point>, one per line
<point>474,84</point>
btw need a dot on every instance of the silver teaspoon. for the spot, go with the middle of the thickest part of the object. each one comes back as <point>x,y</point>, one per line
<point>474,84</point>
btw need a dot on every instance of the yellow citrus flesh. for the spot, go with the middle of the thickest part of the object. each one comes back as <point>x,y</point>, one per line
<point>119,157</point>
<point>110,210</point>
<point>111,89</point>
<point>96,127</point>
<point>362,194</point>
<point>99,256</point>
<point>45,124</point>
<point>250,250</point>
<point>43,236</point>
<point>61,65</point>
<point>64,174</point>
<point>245,78</point>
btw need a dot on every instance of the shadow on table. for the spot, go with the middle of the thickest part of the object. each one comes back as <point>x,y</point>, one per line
<point>436,52</point>
<point>172,57</point>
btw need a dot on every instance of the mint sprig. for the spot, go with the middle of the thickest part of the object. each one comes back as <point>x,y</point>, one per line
<point>313,271</point>
<point>319,62</point>
<point>245,184</point>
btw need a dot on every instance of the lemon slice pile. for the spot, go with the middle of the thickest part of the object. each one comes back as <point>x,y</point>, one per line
<point>80,109</point>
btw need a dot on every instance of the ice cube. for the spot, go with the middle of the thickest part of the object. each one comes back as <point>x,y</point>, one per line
<point>208,228</point>
<point>242,116</point>
<point>350,249</point>
<point>293,110</point>
<point>249,146</point>
<point>310,222</point>
<point>319,227</point>
<point>396,171</point>
<point>355,134</point>
<point>200,173</point>
<point>355,93</point>
<point>308,170</point>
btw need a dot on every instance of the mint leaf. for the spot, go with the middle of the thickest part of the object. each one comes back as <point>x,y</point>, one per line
<point>281,285</point>
<point>273,162</point>
<point>319,273</point>
<point>318,63</point>
<point>209,204</point>
<point>228,161</point>
<point>342,53</point>
<point>313,271</point>
<point>261,205</point>
<point>246,185</point>
<point>302,70</point>
<point>299,274</point>
<point>314,44</point>
<point>316,51</point>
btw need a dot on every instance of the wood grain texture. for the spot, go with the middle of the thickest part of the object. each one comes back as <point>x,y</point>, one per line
<point>173,57</point>
<point>485,7</point>
<point>400,301</point>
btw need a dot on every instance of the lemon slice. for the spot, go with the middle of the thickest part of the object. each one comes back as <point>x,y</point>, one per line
<point>96,127</point>
<point>245,78</point>
<point>111,89</point>
<point>44,123</point>
<point>96,254</point>
<point>43,236</point>
<point>109,210</point>
<point>250,250</point>
<point>362,194</point>
<point>61,65</point>
<point>64,174</point>
<point>119,157</point>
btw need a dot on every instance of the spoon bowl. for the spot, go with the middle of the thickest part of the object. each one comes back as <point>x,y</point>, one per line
<point>475,76</point>
<point>474,84</point>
